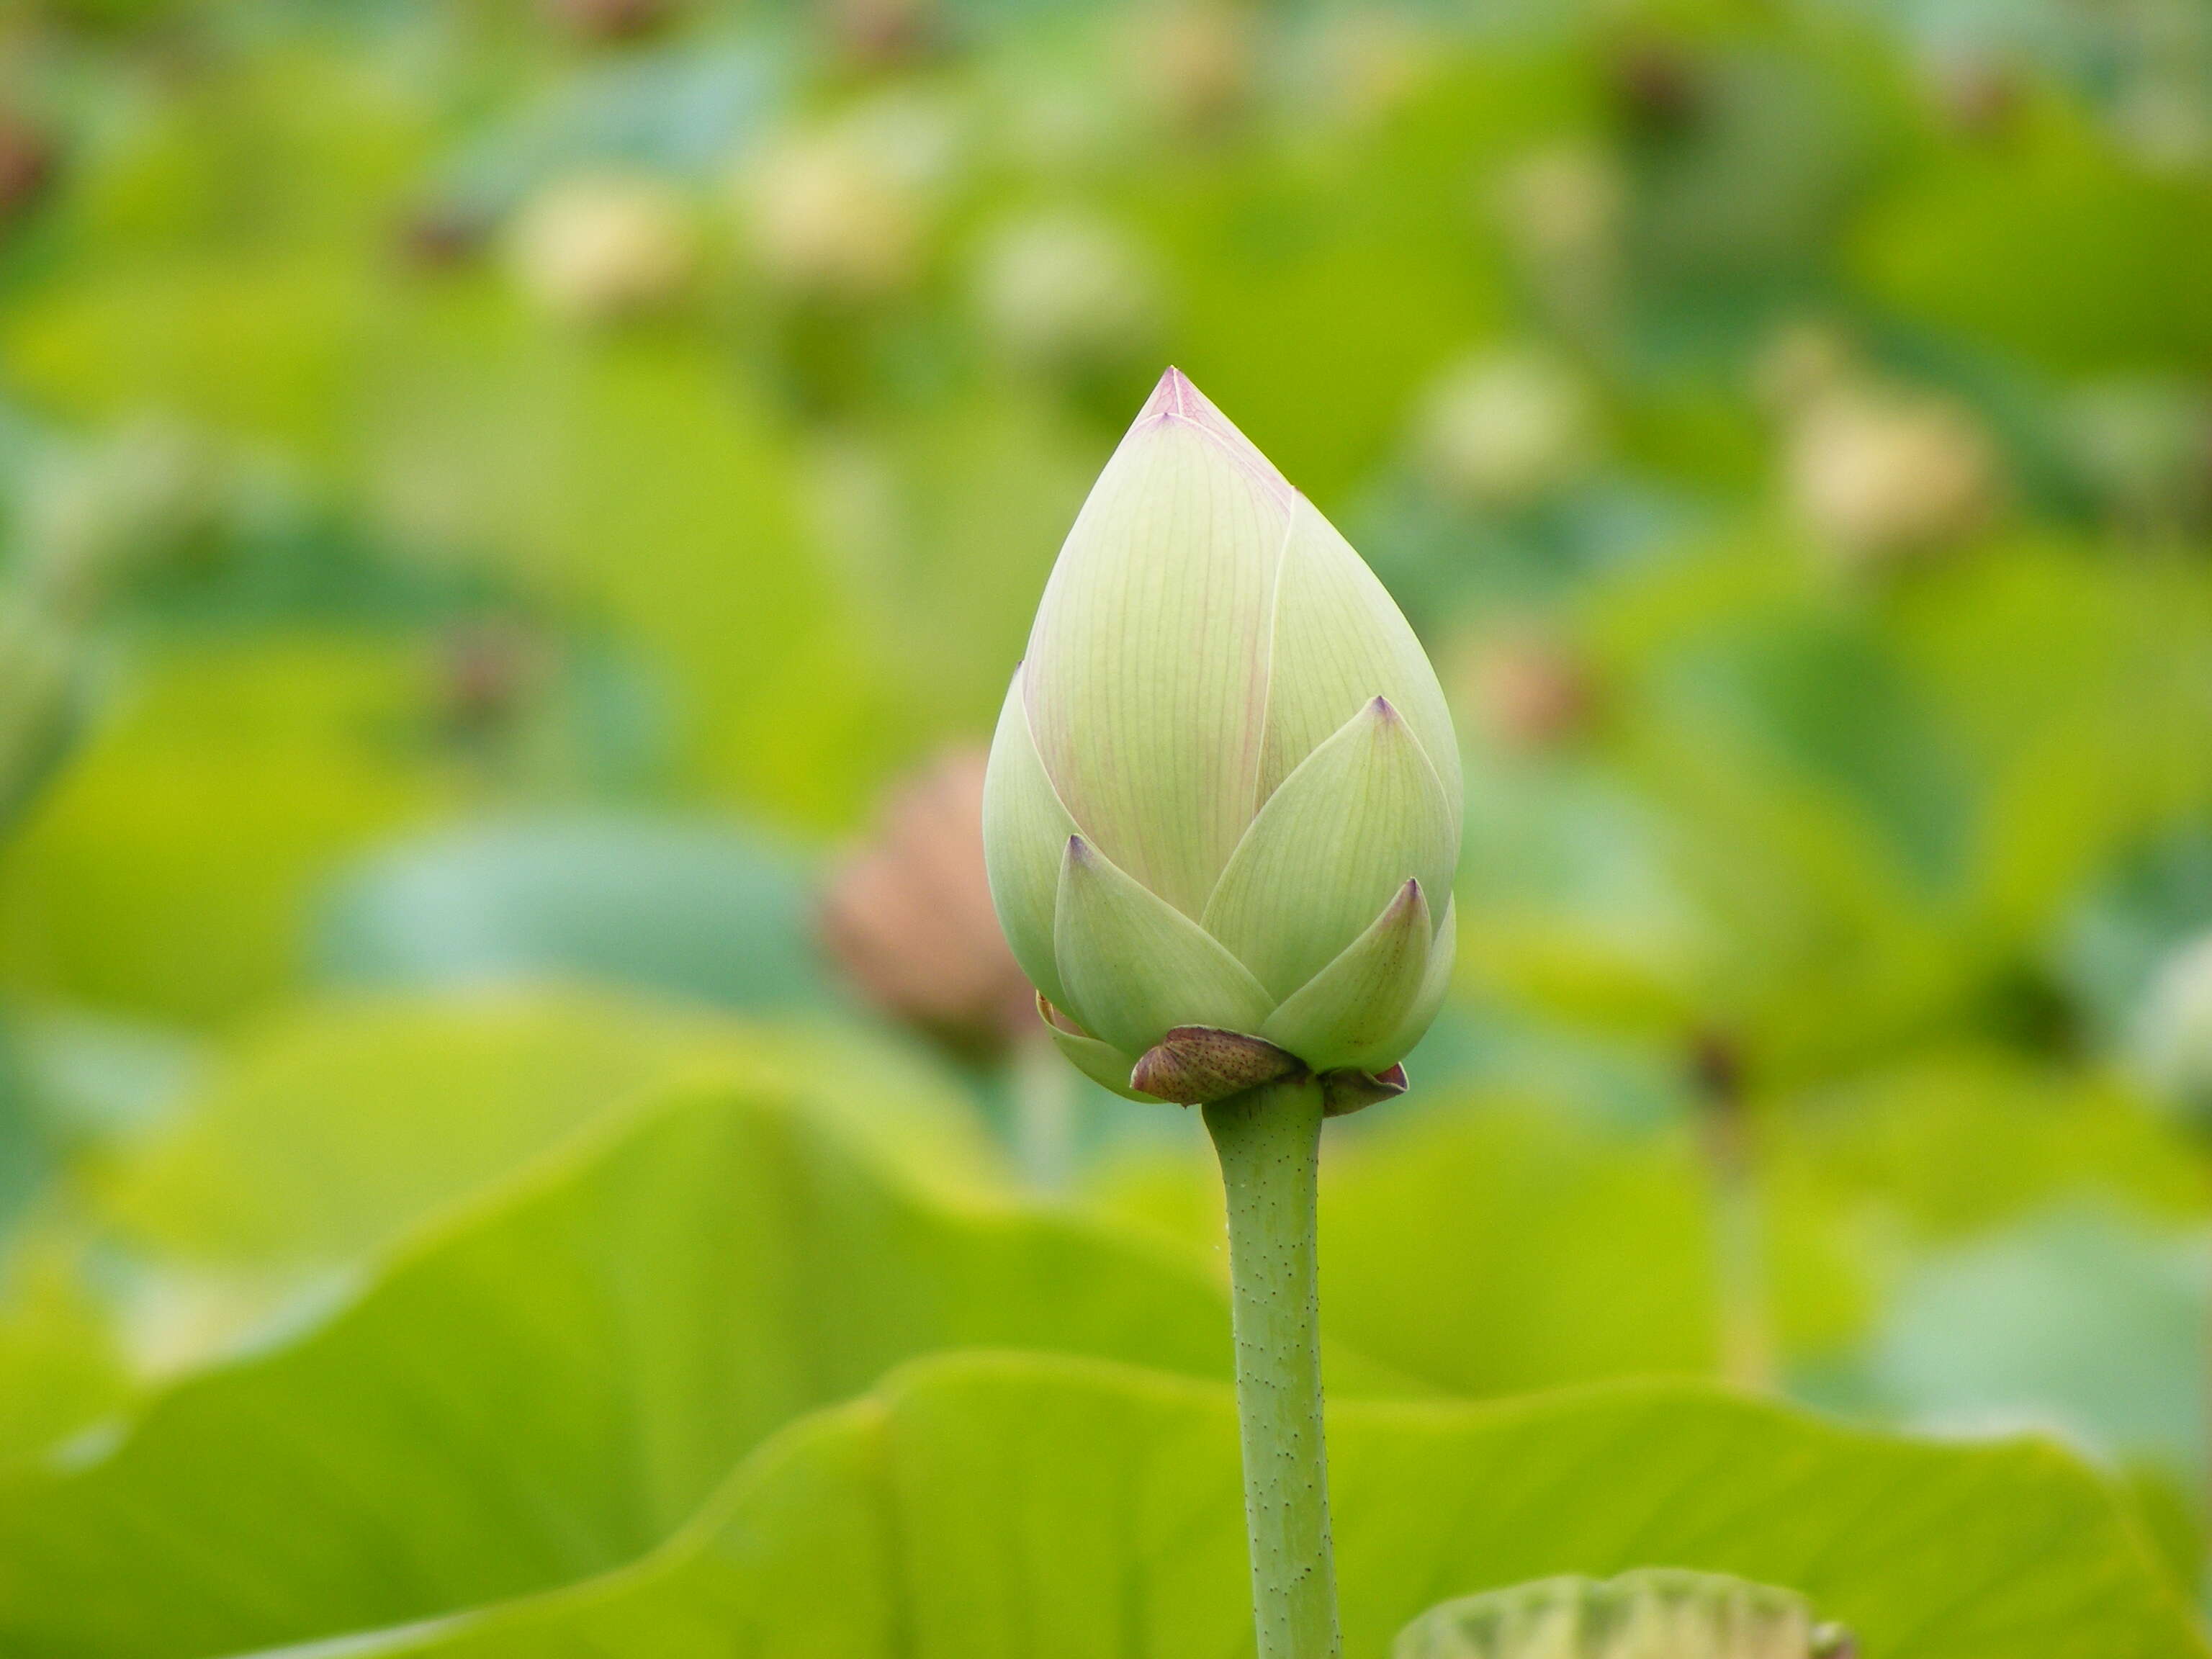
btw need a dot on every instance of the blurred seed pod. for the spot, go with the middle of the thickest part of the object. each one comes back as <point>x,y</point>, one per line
<point>599,247</point>
<point>843,212</point>
<point>2145,449</point>
<point>1528,692</point>
<point>2172,1036</point>
<point>1656,1613</point>
<point>1507,429</point>
<point>605,21</point>
<point>1880,474</point>
<point>1194,64</point>
<point>907,916</point>
<point>1658,89</point>
<point>1067,290</point>
<point>441,236</point>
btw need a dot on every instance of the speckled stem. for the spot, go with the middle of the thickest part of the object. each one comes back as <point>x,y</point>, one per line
<point>1269,1142</point>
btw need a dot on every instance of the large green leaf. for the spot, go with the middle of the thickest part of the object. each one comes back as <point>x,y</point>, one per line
<point>329,1131</point>
<point>552,1385</point>
<point>986,1505</point>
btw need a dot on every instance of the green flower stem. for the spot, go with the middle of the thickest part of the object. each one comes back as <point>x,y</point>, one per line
<point>1269,1142</point>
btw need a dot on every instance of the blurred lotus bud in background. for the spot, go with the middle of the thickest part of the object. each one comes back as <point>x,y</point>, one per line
<point>1067,290</point>
<point>599,247</point>
<point>907,915</point>
<point>441,235</point>
<point>27,168</point>
<point>1562,208</point>
<point>1975,92</point>
<point>1507,429</point>
<point>842,212</point>
<point>2144,448</point>
<point>1659,90</point>
<point>876,34</point>
<point>603,21</point>
<point>2173,1033</point>
<point>1879,473</point>
<point>1528,692</point>
<point>1194,64</point>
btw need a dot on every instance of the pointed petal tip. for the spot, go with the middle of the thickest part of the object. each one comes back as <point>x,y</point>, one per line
<point>1384,709</point>
<point>1173,395</point>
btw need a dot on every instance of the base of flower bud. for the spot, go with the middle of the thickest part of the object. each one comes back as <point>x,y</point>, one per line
<point>1198,1064</point>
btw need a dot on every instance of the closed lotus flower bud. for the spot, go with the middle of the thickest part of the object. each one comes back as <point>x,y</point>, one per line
<point>1222,808</point>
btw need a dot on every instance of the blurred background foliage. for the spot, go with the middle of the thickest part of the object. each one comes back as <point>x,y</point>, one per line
<point>514,516</point>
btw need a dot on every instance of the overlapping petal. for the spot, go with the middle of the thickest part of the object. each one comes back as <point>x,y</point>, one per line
<point>1134,968</point>
<point>1148,666</point>
<point>1362,814</point>
<point>1338,640</point>
<point>1025,830</point>
<point>1351,1012</point>
<point>1101,1062</point>
<point>1435,983</point>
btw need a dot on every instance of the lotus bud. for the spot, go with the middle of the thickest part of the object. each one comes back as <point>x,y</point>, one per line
<point>1064,291</point>
<point>1880,475</point>
<point>1655,1614</point>
<point>907,915</point>
<point>27,167</point>
<point>603,21</point>
<point>1509,429</point>
<point>1531,693</point>
<point>1222,808</point>
<point>599,247</point>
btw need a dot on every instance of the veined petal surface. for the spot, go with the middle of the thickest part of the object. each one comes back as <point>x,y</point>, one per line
<point>1134,966</point>
<point>1104,1064</point>
<point>1361,815</point>
<point>1025,831</point>
<point>1148,666</point>
<point>1351,1012</point>
<point>1443,950</point>
<point>1338,640</point>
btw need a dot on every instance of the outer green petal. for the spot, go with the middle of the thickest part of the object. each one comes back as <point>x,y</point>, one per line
<point>1104,1064</point>
<point>1147,676</point>
<point>1134,968</point>
<point>1365,813</point>
<point>1352,1011</point>
<point>1435,982</point>
<point>1339,640</point>
<point>1025,831</point>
